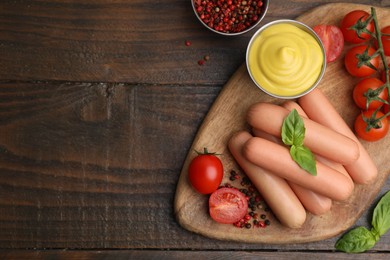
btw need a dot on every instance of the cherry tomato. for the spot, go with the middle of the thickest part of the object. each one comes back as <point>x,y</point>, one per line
<point>386,40</point>
<point>375,133</point>
<point>363,87</point>
<point>349,20</point>
<point>383,75</point>
<point>386,109</point>
<point>333,40</point>
<point>227,205</point>
<point>205,172</point>
<point>351,61</point>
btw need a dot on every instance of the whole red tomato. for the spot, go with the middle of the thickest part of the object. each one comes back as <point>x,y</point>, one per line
<point>332,39</point>
<point>357,58</point>
<point>205,172</point>
<point>366,88</point>
<point>371,130</point>
<point>355,19</point>
<point>227,205</point>
<point>386,109</point>
<point>386,40</point>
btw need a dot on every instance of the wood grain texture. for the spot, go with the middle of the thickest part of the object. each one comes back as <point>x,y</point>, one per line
<point>99,104</point>
<point>227,116</point>
<point>138,41</point>
<point>172,255</point>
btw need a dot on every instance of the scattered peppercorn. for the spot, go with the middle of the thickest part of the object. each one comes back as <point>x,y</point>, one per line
<point>201,62</point>
<point>262,224</point>
<point>187,43</point>
<point>255,202</point>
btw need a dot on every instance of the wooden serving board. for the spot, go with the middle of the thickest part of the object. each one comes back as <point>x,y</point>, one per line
<point>227,116</point>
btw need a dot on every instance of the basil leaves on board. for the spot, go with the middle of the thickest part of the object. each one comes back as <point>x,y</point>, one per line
<point>293,134</point>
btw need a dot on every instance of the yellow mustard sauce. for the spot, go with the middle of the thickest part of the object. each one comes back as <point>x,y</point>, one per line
<point>285,60</point>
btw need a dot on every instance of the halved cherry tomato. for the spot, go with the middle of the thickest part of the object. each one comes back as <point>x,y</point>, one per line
<point>386,40</point>
<point>205,172</point>
<point>362,89</point>
<point>377,131</point>
<point>227,205</point>
<point>351,61</point>
<point>349,20</point>
<point>333,40</point>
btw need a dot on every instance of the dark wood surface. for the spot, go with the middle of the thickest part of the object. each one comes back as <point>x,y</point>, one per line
<point>99,105</point>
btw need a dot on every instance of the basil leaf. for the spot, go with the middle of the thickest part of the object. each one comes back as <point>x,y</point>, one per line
<point>357,240</point>
<point>381,215</point>
<point>304,158</point>
<point>293,134</point>
<point>293,129</point>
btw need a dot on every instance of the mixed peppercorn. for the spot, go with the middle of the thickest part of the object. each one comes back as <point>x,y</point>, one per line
<point>255,202</point>
<point>229,16</point>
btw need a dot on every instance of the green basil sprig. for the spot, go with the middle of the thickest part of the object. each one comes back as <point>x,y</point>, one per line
<point>361,239</point>
<point>293,134</point>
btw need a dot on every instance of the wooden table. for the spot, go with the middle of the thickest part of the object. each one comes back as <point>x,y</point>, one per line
<point>99,104</point>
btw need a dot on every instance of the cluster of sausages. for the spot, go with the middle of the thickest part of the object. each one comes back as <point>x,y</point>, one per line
<point>289,191</point>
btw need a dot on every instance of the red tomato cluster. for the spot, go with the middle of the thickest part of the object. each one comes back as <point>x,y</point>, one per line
<point>362,60</point>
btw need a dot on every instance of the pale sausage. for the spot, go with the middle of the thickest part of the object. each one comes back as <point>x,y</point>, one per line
<point>318,108</point>
<point>275,190</point>
<point>313,202</point>
<point>318,138</point>
<point>290,105</point>
<point>277,159</point>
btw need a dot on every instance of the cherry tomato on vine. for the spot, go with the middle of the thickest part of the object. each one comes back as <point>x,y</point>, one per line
<point>205,172</point>
<point>366,88</point>
<point>383,75</point>
<point>386,40</point>
<point>378,129</point>
<point>227,205</point>
<point>332,39</point>
<point>351,19</point>
<point>352,61</point>
<point>386,109</point>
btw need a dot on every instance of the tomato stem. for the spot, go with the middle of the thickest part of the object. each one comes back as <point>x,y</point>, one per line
<point>373,94</point>
<point>364,59</point>
<point>206,152</point>
<point>373,122</point>
<point>380,49</point>
<point>360,26</point>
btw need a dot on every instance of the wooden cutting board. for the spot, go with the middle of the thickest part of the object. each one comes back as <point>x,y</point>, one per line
<point>227,116</point>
